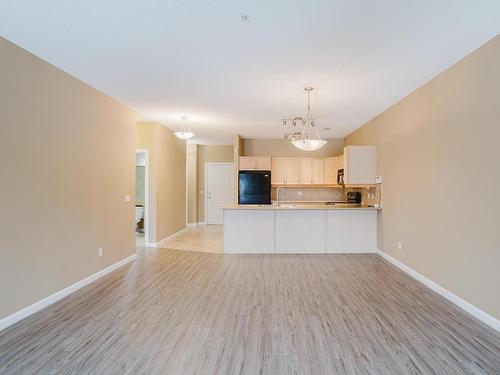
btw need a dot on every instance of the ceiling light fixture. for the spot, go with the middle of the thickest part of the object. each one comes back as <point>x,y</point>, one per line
<point>308,138</point>
<point>184,132</point>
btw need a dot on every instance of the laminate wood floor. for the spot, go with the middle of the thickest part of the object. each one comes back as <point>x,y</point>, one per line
<point>180,312</point>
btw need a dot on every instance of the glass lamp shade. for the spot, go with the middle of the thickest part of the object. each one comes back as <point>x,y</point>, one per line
<point>309,144</point>
<point>184,134</point>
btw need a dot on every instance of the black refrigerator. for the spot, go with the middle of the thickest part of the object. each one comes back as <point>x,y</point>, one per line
<point>254,187</point>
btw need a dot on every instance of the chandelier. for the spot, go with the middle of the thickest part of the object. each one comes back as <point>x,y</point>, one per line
<point>304,135</point>
<point>184,132</point>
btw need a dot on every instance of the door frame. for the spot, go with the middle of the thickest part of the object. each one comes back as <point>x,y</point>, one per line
<point>231,164</point>
<point>147,211</point>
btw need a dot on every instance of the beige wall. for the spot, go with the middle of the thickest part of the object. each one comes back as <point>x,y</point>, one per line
<point>68,161</point>
<point>209,154</point>
<point>284,148</point>
<point>167,168</point>
<point>191,181</point>
<point>439,156</point>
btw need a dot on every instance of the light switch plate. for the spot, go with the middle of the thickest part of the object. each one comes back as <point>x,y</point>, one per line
<point>126,198</point>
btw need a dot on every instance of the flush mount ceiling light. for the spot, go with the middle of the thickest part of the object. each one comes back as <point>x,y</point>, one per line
<point>308,138</point>
<point>184,132</point>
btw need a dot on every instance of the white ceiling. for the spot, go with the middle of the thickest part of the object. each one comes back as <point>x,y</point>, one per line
<point>198,58</point>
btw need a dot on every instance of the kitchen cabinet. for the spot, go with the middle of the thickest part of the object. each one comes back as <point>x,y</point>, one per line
<point>298,171</point>
<point>312,171</point>
<point>318,171</point>
<point>360,165</point>
<point>340,162</point>
<point>331,168</point>
<point>285,171</point>
<point>257,163</point>
<point>277,171</point>
<point>247,163</point>
<point>305,171</point>
<point>292,171</point>
<point>263,163</point>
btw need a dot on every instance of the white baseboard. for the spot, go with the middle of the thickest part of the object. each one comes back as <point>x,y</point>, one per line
<point>37,306</point>
<point>471,309</point>
<point>161,242</point>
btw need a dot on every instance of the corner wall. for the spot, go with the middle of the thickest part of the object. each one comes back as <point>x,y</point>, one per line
<point>167,168</point>
<point>68,160</point>
<point>192,184</point>
<point>439,157</point>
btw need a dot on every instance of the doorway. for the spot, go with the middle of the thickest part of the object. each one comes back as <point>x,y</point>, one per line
<point>141,197</point>
<point>219,190</point>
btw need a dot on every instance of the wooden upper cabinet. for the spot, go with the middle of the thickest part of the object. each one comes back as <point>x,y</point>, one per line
<point>292,171</point>
<point>331,168</point>
<point>298,171</point>
<point>278,171</point>
<point>306,171</point>
<point>285,171</point>
<point>251,163</point>
<point>247,163</point>
<point>263,163</point>
<point>340,162</point>
<point>318,171</point>
<point>360,165</point>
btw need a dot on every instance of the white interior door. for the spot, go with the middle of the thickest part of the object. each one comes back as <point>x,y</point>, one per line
<point>219,190</point>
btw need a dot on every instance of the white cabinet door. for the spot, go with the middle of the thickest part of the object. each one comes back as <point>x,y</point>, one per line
<point>305,171</point>
<point>360,165</point>
<point>219,190</point>
<point>318,171</point>
<point>331,168</point>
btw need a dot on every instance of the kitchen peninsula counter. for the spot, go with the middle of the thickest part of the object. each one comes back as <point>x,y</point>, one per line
<point>300,206</point>
<point>300,228</point>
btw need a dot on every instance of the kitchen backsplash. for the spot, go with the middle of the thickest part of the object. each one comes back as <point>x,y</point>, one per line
<point>322,194</point>
<point>309,194</point>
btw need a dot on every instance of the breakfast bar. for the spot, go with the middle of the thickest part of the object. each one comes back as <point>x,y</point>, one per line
<point>300,229</point>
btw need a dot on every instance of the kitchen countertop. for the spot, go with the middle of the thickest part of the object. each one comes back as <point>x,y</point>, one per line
<point>289,206</point>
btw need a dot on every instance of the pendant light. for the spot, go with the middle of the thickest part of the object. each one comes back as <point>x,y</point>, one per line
<point>308,138</point>
<point>184,132</point>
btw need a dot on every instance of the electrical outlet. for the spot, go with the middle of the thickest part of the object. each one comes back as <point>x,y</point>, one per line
<point>299,193</point>
<point>400,245</point>
<point>100,251</point>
